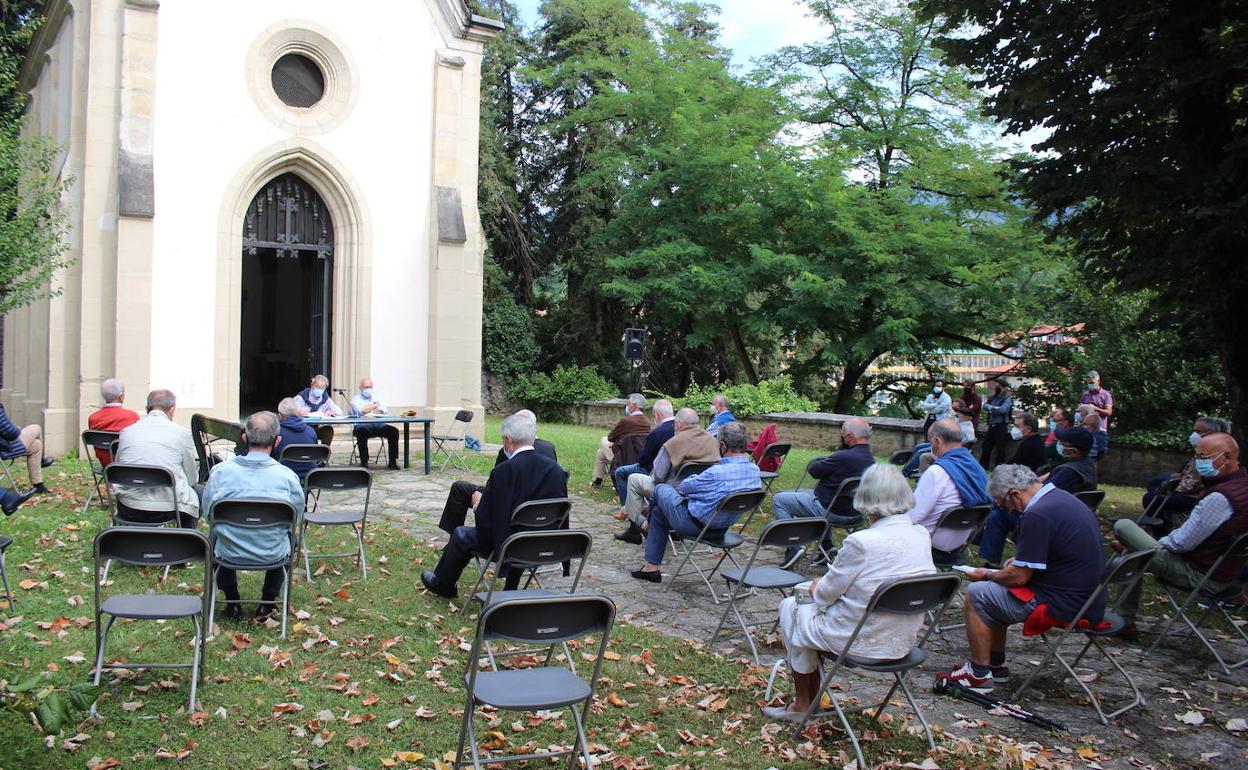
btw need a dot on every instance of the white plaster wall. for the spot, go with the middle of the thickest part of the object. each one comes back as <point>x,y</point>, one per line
<point>207,127</point>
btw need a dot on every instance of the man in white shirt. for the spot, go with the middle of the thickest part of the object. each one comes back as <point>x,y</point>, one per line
<point>156,440</point>
<point>367,403</point>
<point>955,480</point>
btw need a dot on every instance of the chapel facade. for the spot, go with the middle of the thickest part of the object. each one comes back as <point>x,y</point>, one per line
<point>262,191</point>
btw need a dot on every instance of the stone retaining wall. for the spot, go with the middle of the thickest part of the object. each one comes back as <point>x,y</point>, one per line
<point>1126,465</point>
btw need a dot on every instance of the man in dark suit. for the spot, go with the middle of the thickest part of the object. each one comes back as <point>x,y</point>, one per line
<point>526,475</point>
<point>465,494</point>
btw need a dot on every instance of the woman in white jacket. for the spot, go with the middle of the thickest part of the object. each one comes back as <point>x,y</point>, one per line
<point>891,547</point>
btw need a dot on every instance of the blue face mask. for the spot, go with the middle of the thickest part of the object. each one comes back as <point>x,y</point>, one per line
<point>317,393</point>
<point>366,393</point>
<point>937,390</point>
<point>1092,386</point>
<point>1078,417</point>
<point>1057,447</point>
<point>1206,468</point>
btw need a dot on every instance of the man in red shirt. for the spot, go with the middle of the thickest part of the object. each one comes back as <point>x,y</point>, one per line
<point>113,416</point>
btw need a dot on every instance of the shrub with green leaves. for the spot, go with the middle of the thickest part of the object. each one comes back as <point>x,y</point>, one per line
<point>745,399</point>
<point>53,704</point>
<point>508,342</point>
<point>551,395</point>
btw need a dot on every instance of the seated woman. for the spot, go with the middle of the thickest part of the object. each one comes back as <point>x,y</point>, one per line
<point>891,547</point>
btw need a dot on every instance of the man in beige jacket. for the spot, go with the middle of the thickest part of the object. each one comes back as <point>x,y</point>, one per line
<point>689,444</point>
<point>157,440</point>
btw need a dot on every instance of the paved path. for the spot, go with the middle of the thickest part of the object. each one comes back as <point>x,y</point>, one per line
<point>1176,682</point>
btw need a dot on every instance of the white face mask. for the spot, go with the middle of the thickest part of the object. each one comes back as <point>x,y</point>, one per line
<point>1016,433</point>
<point>1194,439</point>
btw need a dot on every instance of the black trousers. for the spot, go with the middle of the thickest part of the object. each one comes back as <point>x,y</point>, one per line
<point>457,555</point>
<point>996,440</point>
<point>324,434</point>
<point>363,433</point>
<point>227,581</point>
<point>458,503</point>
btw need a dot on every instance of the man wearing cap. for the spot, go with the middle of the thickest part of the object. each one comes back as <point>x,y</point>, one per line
<point>1077,474</point>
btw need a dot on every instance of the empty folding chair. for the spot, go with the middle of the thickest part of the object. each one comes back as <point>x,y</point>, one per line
<point>451,443</point>
<point>531,516</point>
<point>376,456</point>
<point>305,453</point>
<point>152,547</point>
<point>1209,602</point>
<point>965,523</point>
<point>538,621</point>
<point>900,457</point>
<point>145,477</point>
<point>905,596</point>
<point>739,503</point>
<point>777,452</point>
<point>103,441</point>
<point>782,534</point>
<point>1091,498</point>
<point>1152,515</point>
<point>5,542</point>
<point>1123,571</point>
<point>254,514</point>
<point>335,482</point>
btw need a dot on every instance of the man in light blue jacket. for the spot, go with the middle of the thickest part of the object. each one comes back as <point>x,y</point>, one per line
<point>255,475</point>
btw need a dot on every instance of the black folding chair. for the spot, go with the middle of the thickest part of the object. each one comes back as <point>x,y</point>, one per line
<point>1209,602</point>
<point>966,523</point>
<point>305,453</point>
<point>91,441</point>
<point>844,491</point>
<point>1091,498</point>
<point>690,468</point>
<point>335,481</point>
<point>778,452</point>
<point>783,534</point>
<point>254,514</point>
<point>903,596</point>
<point>723,541</point>
<point>152,547</point>
<point>532,516</point>
<point>1151,516</point>
<point>215,441</point>
<point>451,443</point>
<point>121,475</point>
<point>539,621</point>
<point>900,457</point>
<point>1122,571</point>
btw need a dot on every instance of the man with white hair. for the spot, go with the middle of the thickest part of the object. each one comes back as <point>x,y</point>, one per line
<point>851,461</point>
<point>316,401</point>
<point>525,476</point>
<point>664,429</point>
<point>622,445</point>
<point>366,403</point>
<point>157,440</point>
<point>723,415</point>
<point>113,416</point>
<point>295,431</point>
<point>954,480</point>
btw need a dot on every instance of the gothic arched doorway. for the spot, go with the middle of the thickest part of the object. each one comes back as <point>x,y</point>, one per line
<point>287,292</point>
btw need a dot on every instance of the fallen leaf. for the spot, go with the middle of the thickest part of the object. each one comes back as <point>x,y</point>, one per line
<point>408,756</point>
<point>1191,718</point>
<point>103,764</point>
<point>394,723</point>
<point>345,595</point>
<point>132,705</point>
<point>357,743</point>
<point>1237,725</point>
<point>241,641</point>
<point>287,708</point>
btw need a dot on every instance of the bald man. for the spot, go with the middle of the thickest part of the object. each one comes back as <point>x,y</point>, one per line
<point>1188,552</point>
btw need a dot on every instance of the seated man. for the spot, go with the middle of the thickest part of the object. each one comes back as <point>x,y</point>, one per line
<point>1077,474</point>
<point>629,434</point>
<point>316,400</point>
<point>723,416</point>
<point>254,476</point>
<point>1183,499</point>
<point>526,476</point>
<point>954,480</point>
<point>1188,552</point>
<point>1030,449</point>
<point>113,416</point>
<point>466,494</point>
<point>295,431</point>
<point>850,462</point>
<point>1058,565</point>
<point>685,509</point>
<point>157,440</point>
<point>664,429</point>
<point>1060,418</point>
<point>690,444</point>
<point>365,403</point>
<point>24,442</point>
<point>1088,418</point>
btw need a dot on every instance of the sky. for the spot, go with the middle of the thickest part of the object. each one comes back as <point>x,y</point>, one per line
<point>749,28</point>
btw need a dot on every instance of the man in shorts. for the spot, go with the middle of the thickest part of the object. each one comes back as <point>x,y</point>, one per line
<point>1057,566</point>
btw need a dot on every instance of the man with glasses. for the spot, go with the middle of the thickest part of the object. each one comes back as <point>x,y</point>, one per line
<point>1188,552</point>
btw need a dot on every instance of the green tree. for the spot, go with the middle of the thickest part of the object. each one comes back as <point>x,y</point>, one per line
<point>1145,166</point>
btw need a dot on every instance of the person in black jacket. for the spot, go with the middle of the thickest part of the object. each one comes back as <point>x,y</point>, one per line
<point>24,442</point>
<point>1030,449</point>
<point>526,475</point>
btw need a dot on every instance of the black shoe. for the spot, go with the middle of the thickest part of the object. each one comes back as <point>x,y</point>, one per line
<point>653,577</point>
<point>47,462</point>
<point>435,586</point>
<point>596,484</point>
<point>363,463</point>
<point>265,610</point>
<point>631,535</point>
<point>12,501</point>
<point>791,555</point>
<point>233,611</point>
<point>40,488</point>
<point>392,467</point>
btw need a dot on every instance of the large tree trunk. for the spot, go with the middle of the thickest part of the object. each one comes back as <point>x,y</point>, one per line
<point>738,343</point>
<point>845,400</point>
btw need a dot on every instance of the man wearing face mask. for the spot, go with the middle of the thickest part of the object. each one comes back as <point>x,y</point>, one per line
<point>1000,409</point>
<point>1030,449</point>
<point>954,480</point>
<point>937,404</point>
<point>1183,498</point>
<point>315,401</point>
<point>364,403</point>
<point>1098,398</point>
<point>1189,551</point>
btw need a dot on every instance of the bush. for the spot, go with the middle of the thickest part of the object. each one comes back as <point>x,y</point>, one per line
<point>745,400</point>
<point>551,395</point>
<point>508,342</point>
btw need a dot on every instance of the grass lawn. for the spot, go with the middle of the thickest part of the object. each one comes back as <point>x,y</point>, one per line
<point>371,674</point>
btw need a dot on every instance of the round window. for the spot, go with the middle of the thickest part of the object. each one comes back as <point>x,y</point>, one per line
<point>298,80</point>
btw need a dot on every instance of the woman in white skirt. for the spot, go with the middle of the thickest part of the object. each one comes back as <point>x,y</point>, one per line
<point>891,547</point>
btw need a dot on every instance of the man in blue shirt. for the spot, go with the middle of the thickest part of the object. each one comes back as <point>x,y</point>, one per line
<point>366,403</point>
<point>294,431</point>
<point>686,509</point>
<point>722,417</point>
<point>254,476</point>
<point>1058,565</point>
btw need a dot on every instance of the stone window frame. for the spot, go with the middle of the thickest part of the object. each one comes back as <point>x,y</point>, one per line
<point>313,41</point>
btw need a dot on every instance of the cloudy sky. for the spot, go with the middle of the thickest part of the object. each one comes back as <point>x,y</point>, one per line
<point>751,28</point>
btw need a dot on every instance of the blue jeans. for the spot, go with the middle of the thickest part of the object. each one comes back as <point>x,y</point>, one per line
<point>669,513</point>
<point>912,464</point>
<point>992,540</point>
<point>620,478</point>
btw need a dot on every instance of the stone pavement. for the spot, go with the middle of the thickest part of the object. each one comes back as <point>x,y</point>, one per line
<point>1177,682</point>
